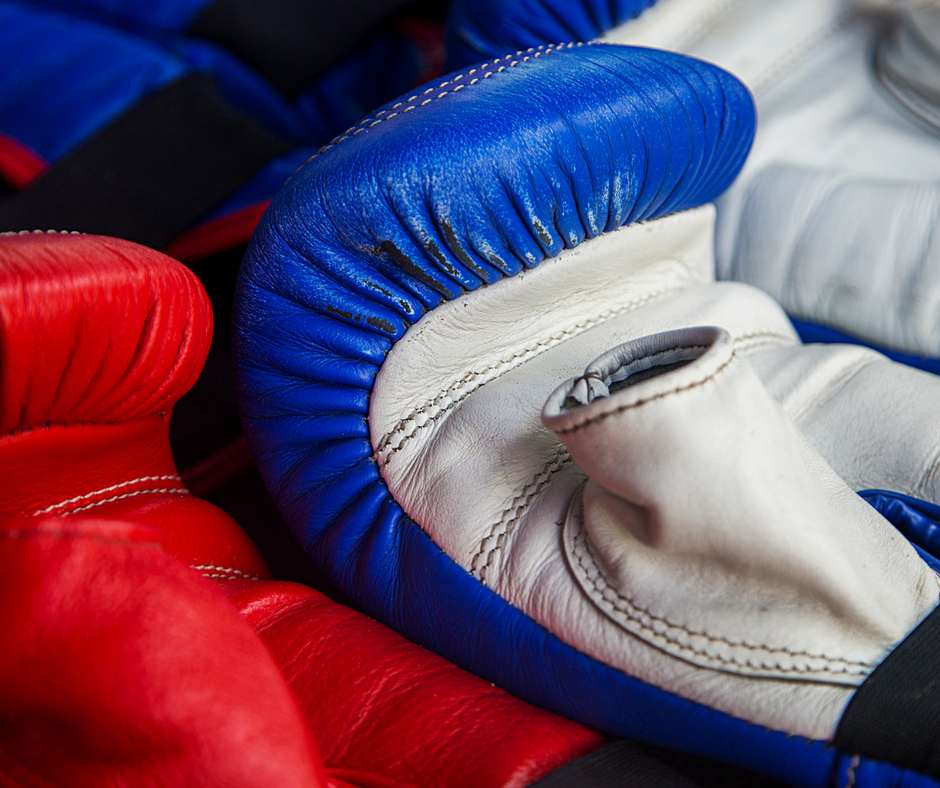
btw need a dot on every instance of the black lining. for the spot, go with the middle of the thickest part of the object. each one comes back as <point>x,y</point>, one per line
<point>615,766</point>
<point>894,715</point>
<point>150,173</point>
<point>291,41</point>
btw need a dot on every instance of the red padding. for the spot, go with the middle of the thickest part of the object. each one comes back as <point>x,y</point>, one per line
<point>121,666</point>
<point>380,704</point>
<point>95,329</point>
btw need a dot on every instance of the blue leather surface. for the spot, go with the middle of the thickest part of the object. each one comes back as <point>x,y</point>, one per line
<point>814,332</point>
<point>488,173</point>
<point>481,29</point>
<point>918,521</point>
<point>62,80</point>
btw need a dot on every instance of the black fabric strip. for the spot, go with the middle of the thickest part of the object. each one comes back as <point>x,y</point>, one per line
<point>894,715</point>
<point>615,766</point>
<point>291,41</point>
<point>150,173</point>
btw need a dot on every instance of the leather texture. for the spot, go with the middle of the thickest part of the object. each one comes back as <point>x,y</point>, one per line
<point>120,666</point>
<point>392,360</point>
<point>377,704</point>
<point>98,340</point>
<point>833,213</point>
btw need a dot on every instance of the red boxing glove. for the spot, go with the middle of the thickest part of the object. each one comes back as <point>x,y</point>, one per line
<point>98,340</point>
<point>122,667</point>
<point>379,704</point>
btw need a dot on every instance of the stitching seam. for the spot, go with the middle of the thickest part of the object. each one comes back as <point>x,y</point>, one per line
<point>545,475</point>
<point>224,572</point>
<point>637,614</point>
<point>170,478</point>
<point>172,490</point>
<point>640,403</point>
<point>497,369</point>
<point>853,767</point>
<point>517,506</point>
<point>375,120</point>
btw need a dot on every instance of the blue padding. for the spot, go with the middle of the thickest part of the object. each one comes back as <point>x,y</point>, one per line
<point>481,29</point>
<point>481,176</point>
<point>917,520</point>
<point>813,332</point>
<point>62,80</point>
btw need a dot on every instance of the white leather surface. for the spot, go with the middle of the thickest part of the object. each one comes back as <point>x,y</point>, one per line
<point>837,256</point>
<point>455,423</point>
<point>712,530</point>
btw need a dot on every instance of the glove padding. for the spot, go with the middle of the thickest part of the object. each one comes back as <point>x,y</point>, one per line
<point>99,338</point>
<point>393,359</point>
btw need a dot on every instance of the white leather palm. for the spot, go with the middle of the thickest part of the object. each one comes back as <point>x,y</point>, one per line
<point>834,211</point>
<point>456,430</point>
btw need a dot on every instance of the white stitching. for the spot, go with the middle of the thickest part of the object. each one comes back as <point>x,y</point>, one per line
<point>172,490</point>
<point>374,120</point>
<point>227,570</point>
<point>170,478</point>
<point>853,767</point>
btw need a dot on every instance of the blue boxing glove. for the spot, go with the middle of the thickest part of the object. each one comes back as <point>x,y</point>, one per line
<point>834,214</point>
<point>488,375</point>
<point>308,69</point>
<point>125,140</point>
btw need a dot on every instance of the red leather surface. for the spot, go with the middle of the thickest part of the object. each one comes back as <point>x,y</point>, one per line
<point>98,340</point>
<point>120,666</point>
<point>95,330</point>
<point>378,703</point>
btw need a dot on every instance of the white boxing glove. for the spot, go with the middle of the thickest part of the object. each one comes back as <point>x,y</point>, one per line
<point>835,210</point>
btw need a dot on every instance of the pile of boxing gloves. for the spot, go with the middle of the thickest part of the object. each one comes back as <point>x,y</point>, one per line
<point>563,366</point>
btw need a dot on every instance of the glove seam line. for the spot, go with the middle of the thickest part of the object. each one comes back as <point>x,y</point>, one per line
<point>86,496</point>
<point>562,458</point>
<point>581,548</point>
<point>588,421</point>
<point>228,572</point>
<point>499,368</point>
<point>375,120</point>
<point>170,490</point>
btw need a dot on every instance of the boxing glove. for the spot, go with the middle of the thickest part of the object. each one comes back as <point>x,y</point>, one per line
<point>833,213</point>
<point>120,666</point>
<point>834,210</point>
<point>658,551</point>
<point>148,142</point>
<point>285,63</point>
<point>100,338</point>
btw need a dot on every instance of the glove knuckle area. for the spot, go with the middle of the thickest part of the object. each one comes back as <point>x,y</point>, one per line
<point>95,329</point>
